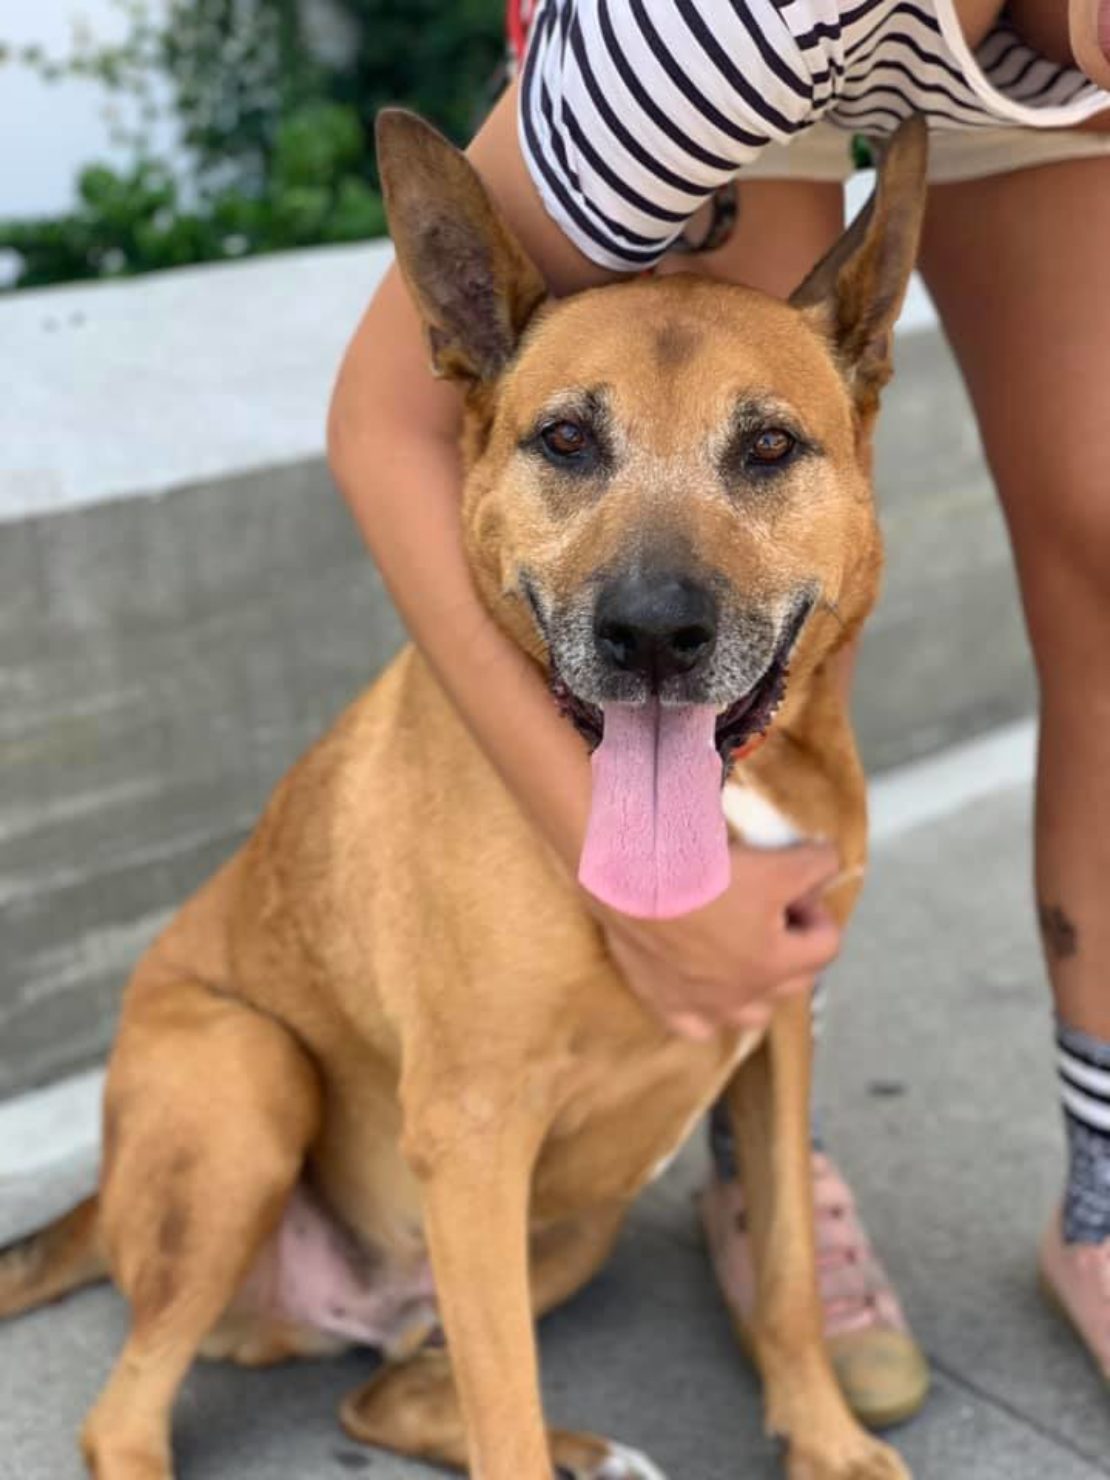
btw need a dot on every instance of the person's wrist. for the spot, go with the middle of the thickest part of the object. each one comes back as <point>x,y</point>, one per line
<point>661,939</point>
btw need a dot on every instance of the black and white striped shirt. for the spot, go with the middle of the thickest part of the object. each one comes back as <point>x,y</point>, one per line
<point>632,112</point>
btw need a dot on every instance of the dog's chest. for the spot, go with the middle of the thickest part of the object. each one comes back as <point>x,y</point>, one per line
<point>623,1128</point>
<point>751,816</point>
<point>626,1120</point>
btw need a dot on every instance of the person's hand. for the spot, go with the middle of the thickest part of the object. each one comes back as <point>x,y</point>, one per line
<point>725,965</point>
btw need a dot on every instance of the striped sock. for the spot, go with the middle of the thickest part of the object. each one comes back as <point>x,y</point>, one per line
<point>1084,1067</point>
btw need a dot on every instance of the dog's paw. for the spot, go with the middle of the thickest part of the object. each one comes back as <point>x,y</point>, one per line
<point>866,1459</point>
<point>613,1462</point>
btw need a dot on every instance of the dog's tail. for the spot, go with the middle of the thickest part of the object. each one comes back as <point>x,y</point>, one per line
<point>44,1266</point>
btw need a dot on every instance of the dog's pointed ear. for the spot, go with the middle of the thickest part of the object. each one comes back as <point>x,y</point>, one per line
<point>471,280</point>
<point>854,294</point>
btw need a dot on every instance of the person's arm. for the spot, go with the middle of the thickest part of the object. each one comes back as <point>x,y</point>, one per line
<point>392,440</point>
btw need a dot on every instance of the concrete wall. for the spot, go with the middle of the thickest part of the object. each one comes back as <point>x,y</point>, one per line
<point>162,662</point>
<point>170,639</point>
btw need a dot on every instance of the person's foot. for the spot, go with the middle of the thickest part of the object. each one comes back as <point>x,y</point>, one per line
<point>882,1371</point>
<point>1076,1279</point>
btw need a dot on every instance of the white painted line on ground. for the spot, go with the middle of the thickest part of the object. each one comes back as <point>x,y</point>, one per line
<point>52,1125</point>
<point>927,790</point>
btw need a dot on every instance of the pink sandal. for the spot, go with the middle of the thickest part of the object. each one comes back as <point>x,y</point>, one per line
<point>881,1369</point>
<point>1076,1279</point>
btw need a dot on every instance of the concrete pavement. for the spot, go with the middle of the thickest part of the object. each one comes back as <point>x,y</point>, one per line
<point>936,1093</point>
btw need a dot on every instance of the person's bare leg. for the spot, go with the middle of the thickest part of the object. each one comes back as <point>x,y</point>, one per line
<point>1018,267</point>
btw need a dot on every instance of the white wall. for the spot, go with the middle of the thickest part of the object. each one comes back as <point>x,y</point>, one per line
<point>49,130</point>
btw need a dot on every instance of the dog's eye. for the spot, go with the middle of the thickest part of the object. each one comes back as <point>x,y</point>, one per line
<point>565,439</point>
<point>771,445</point>
<point>575,444</point>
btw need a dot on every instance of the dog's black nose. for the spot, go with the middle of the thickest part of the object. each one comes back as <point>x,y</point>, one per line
<point>657,625</point>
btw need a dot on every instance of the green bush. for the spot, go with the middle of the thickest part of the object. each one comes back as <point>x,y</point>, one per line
<point>280,138</point>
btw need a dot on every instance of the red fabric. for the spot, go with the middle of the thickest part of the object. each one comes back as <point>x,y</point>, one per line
<point>518,17</point>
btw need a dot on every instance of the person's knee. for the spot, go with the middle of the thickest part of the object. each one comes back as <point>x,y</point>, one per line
<point>1063,554</point>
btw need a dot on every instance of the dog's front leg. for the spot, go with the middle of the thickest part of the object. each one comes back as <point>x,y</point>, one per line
<point>476,1180</point>
<point>768,1102</point>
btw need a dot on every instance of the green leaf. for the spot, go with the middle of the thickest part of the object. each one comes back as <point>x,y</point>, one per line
<point>316,144</point>
<point>98,185</point>
<point>299,213</point>
<point>358,213</point>
<point>278,138</point>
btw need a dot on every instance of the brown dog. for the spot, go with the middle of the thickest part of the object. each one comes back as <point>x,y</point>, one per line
<point>379,1080</point>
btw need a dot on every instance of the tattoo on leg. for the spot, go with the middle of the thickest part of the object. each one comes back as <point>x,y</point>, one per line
<point>1061,937</point>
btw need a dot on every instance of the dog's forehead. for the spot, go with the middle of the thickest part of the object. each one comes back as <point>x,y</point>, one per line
<point>675,356</point>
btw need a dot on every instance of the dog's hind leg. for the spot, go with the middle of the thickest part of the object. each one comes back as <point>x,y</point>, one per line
<point>210,1107</point>
<point>414,1408</point>
<point>768,1100</point>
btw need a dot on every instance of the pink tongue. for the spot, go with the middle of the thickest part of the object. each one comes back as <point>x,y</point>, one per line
<point>656,843</point>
